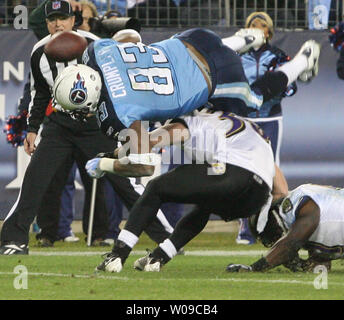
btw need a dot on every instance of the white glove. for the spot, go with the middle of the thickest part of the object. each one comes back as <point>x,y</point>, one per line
<point>92,167</point>
<point>253,37</point>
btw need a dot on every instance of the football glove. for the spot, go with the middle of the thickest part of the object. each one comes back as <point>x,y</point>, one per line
<point>253,37</point>
<point>92,167</point>
<point>232,267</point>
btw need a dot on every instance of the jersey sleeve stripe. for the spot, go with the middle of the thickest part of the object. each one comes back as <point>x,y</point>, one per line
<point>241,91</point>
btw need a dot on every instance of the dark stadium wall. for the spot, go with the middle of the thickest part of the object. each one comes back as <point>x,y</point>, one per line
<point>313,139</point>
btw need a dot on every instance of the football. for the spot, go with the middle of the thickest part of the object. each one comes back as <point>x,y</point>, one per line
<point>65,46</point>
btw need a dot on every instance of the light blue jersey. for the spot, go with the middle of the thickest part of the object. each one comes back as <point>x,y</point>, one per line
<point>162,81</point>
<point>155,82</point>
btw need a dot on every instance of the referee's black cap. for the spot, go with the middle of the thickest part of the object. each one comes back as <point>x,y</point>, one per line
<point>62,8</point>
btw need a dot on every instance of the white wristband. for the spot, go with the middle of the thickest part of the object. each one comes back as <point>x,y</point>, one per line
<point>106,164</point>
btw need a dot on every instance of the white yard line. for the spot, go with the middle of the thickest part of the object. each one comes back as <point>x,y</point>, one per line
<point>98,276</point>
<point>204,253</point>
<point>142,252</point>
<point>68,275</point>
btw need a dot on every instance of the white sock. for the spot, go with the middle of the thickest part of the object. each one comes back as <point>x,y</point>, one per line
<point>294,68</point>
<point>128,238</point>
<point>168,247</point>
<point>234,42</point>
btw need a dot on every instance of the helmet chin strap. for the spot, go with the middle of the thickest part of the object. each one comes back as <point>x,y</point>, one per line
<point>79,114</point>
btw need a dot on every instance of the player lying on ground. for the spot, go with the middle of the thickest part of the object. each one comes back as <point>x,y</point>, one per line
<point>128,83</point>
<point>231,175</point>
<point>310,217</point>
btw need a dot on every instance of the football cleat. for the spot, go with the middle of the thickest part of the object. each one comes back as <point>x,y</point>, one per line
<point>148,263</point>
<point>153,266</point>
<point>311,50</point>
<point>253,37</point>
<point>111,263</point>
<point>14,248</point>
<point>139,264</point>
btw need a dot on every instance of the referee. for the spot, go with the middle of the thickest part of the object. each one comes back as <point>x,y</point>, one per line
<point>64,140</point>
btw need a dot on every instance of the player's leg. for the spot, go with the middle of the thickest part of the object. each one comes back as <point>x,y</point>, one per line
<point>115,209</point>
<point>230,88</point>
<point>172,211</point>
<point>241,194</point>
<point>195,183</point>
<point>186,229</point>
<point>169,187</point>
<point>304,66</point>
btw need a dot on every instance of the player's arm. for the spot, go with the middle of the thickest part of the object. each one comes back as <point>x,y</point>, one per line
<point>128,161</point>
<point>280,185</point>
<point>286,249</point>
<point>132,159</point>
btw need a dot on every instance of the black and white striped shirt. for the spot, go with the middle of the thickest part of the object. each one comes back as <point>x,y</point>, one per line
<point>44,71</point>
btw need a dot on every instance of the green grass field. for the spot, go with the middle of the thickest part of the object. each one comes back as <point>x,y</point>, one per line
<point>67,272</point>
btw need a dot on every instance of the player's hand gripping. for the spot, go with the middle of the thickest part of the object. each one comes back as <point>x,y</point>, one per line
<point>92,167</point>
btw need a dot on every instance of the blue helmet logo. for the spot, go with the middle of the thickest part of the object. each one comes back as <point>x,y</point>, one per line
<point>78,94</point>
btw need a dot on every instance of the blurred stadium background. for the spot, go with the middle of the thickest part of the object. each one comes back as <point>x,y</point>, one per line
<point>313,139</point>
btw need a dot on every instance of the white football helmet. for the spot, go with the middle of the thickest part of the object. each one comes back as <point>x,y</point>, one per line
<point>77,90</point>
